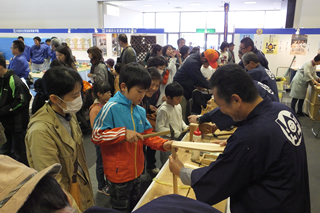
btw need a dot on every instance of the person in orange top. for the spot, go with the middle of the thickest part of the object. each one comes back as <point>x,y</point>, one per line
<point>116,73</point>
<point>102,93</point>
<point>118,129</point>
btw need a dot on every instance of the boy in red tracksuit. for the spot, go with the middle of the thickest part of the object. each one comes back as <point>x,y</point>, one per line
<point>119,129</point>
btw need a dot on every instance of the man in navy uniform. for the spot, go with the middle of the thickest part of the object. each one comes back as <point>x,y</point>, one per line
<point>264,165</point>
<point>258,72</point>
<point>223,121</point>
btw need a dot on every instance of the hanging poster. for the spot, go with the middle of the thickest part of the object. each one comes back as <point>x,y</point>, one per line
<point>299,44</point>
<point>77,42</point>
<point>100,40</point>
<point>242,36</point>
<point>270,44</point>
<point>116,49</point>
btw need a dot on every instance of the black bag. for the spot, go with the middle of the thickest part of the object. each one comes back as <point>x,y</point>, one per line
<point>111,81</point>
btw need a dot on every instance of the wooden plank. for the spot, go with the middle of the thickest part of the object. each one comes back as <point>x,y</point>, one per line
<point>207,147</point>
<point>156,134</point>
<point>163,185</point>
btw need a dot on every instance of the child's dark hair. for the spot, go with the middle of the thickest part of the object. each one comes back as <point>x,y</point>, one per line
<point>174,90</point>
<point>184,50</point>
<point>164,49</point>
<point>91,94</point>
<point>102,87</point>
<point>156,49</point>
<point>117,68</point>
<point>154,73</point>
<point>157,61</point>
<point>57,81</point>
<point>134,74</point>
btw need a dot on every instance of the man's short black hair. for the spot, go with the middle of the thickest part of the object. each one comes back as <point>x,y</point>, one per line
<point>317,58</point>
<point>154,73</point>
<point>174,90</point>
<point>157,61</point>
<point>48,40</point>
<point>134,74</point>
<point>19,44</point>
<point>232,79</point>
<point>250,56</point>
<point>37,38</point>
<point>247,42</point>
<point>184,50</point>
<point>123,38</point>
<point>180,39</point>
<point>53,37</point>
<point>3,62</point>
<point>20,37</point>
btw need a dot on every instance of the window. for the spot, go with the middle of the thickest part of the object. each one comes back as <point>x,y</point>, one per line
<point>149,20</point>
<point>190,21</point>
<point>215,20</point>
<point>275,19</point>
<point>168,21</point>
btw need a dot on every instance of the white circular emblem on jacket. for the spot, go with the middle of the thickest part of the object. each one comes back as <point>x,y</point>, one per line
<point>290,127</point>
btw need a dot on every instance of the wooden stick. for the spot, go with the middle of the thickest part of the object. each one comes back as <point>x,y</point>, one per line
<point>175,179</point>
<point>207,147</point>
<point>156,134</point>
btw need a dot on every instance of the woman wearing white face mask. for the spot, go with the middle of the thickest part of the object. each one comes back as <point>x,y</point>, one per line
<point>54,135</point>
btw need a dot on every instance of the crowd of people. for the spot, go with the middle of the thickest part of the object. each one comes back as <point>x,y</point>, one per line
<point>263,167</point>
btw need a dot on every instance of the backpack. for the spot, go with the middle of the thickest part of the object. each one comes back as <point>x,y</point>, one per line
<point>111,81</point>
<point>110,78</point>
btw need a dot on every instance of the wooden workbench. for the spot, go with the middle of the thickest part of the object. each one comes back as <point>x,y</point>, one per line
<point>83,71</point>
<point>162,184</point>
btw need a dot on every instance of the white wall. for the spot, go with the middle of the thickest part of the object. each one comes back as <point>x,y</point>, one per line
<point>50,14</point>
<point>126,19</point>
<point>307,14</point>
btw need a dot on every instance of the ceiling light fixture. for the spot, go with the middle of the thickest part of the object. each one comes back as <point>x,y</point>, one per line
<point>147,5</point>
<point>195,4</point>
<point>250,2</point>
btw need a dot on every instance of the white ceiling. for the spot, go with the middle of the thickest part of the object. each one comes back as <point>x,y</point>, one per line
<point>204,5</point>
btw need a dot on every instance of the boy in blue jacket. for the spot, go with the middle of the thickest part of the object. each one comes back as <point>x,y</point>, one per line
<point>118,129</point>
<point>38,52</point>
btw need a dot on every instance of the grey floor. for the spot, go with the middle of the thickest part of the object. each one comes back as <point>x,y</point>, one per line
<point>312,146</point>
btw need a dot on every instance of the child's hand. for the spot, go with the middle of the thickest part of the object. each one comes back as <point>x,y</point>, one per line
<point>167,145</point>
<point>164,98</point>
<point>152,108</point>
<point>133,136</point>
<point>89,75</point>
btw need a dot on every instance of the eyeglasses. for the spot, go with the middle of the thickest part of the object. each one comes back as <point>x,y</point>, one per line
<point>242,48</point>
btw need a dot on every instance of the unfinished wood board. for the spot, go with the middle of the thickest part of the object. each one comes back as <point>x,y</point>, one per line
<point>157,189</point>
<point>207,147</point>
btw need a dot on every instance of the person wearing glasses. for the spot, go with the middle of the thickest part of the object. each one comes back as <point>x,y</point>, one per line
<point>247,45</point>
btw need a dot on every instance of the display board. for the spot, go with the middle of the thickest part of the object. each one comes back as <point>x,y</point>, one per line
<point>281,45</point>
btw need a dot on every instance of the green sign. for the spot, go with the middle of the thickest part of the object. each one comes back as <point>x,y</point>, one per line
<point>206,31</point>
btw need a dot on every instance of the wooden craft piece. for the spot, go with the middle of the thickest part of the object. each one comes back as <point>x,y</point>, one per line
<point>206,128</point>
<point>193,127</point>
<point>175,179</point>
<point>207,147</point>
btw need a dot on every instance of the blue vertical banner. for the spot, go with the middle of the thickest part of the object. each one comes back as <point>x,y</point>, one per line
<point>226,11</point>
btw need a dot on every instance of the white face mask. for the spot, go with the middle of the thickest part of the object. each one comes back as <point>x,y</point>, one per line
<point>72,106</point>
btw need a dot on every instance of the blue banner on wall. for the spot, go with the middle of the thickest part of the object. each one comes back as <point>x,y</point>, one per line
<point>118,30</point>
